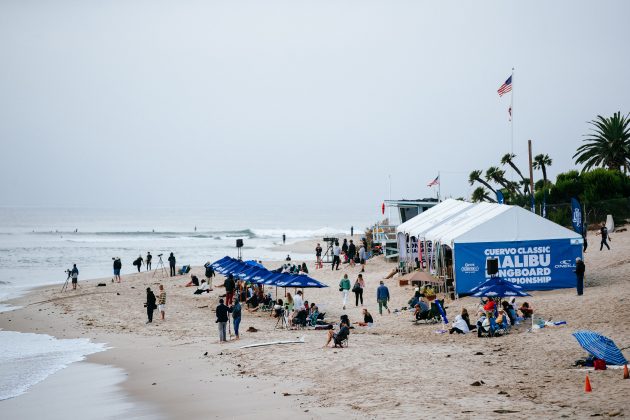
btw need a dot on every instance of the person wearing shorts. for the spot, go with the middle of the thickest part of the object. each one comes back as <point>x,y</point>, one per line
<point>162,302</point>
<point>117,267</point>
<point>75,276</point>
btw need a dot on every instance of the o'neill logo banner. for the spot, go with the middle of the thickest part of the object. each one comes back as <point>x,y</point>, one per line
<point>535,265</point>
<point>576,212</point>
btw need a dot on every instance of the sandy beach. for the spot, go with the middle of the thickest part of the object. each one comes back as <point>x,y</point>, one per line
<point>393,369</point>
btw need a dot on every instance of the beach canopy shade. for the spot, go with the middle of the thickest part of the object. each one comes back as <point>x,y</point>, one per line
<point>260,275</point>
<point>497,287</point>
<point>254,263</point>
<point>601,347</point>
<point>421,276</point>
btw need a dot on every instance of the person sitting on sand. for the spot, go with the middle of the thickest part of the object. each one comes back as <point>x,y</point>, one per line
<point>304,268</point>
<point>421,311</point>
<point>194,281</point>
<point>367,319</point>
<point>483,324</point>
<point>203,288</point>
<point>506,308</point>
<point>338,337</point>
<point>460,326</point>
<point>526,310</point>
<point>314,314</point>
<point>252,303</point>
<point>415,299</point>
<point>466,318</point>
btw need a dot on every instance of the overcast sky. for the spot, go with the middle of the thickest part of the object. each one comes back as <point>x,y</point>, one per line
<point>314,102</point>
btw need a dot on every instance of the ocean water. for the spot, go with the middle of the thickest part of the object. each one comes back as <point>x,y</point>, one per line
<point>37,245</point>
<point>26,358</point>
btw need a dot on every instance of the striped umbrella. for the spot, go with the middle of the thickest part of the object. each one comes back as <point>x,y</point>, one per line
<point>601,347</point>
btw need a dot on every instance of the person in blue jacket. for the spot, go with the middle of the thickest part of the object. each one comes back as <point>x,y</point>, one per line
<point>382,297</point>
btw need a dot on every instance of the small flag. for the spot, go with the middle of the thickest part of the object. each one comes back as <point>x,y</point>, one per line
<point>500,198</point>
<point>436,181</point>
<point>383,208</point>
<point>505,87</point>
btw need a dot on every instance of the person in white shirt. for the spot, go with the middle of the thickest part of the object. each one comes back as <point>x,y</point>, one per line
<point>459,326</point>
<point>298,301</point>
<point>336,256</point>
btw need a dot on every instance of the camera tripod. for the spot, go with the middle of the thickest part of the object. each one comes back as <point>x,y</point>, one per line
<point>160,265</point>
<point>65,285</point>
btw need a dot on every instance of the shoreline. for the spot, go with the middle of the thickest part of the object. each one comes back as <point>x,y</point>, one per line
<point>393,369</point>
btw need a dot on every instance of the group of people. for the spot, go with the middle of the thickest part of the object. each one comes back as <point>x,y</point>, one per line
<point>152,303</point>
<point>493,314</point>
<point>347,252</point>
<point>138,262</point>
<point>294,269</point>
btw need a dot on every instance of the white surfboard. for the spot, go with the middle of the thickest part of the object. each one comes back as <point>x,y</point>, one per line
<point>271,343</point>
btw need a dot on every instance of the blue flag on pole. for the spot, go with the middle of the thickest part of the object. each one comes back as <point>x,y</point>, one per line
<point>577,216</point>
<point>500,198</point>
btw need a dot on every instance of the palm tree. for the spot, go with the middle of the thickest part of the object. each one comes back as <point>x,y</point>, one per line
<point>508,159</point>
<point>480,194</point>
<point>475,176</point>
<point>608,144</point>
<point>497,175</point>
<point>542,162</point>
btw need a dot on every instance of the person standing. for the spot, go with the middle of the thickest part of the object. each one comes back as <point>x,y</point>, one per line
<point>382,297</point>
<point>162,302</point>
<point>222,312</point>
<point>75,276</point>
<point>336,258</point>
<point>580,268</point>
<point>230,285</point>
<point>358,287</point>
<point>352,231</point>
<point>318,256</point>
<point>603,231</point>
<point>352,252</point>
<point>150,305</point>
<point>117,268</point>
<point>284,239</point>
<point>171,263</point>
<point>149,258</point>
<point>362,257</point>
<point>344,249</point>
<point>236,317</point>
<point>344,288</point>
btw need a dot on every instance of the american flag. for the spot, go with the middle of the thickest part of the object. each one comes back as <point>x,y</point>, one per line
<point>505,87</point>
<point>436,181</point>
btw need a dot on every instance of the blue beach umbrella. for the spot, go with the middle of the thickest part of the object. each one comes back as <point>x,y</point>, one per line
<point>601,347</point>
<point>497,287</point>
<point>301,281</point>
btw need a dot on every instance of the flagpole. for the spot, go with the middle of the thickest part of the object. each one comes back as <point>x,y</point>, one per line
<point>512,114</point>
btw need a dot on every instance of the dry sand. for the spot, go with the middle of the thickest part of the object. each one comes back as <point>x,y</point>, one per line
<point>394,369</point>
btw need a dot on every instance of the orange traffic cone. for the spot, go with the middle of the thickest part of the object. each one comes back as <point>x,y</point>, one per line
<point>587,385</point>
<point>625,372</point>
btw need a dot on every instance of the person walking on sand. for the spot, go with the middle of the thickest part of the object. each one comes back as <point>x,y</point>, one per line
<point>150,305</point>
<point>75,276</point>
<point>358,287</point>
<point>171,263</point>
<point>162,302</point>
<point>362,257</point>
<point>148,261</point>
<point>344,249</point>
<point>284,239</point>
<point>117,268</point>
<point>352,252</point>
<point>230,285</point>
<point>336,256</point>
<point>236,317</point>
<point>382,297</point>
<point>603,231</point>
<point>318,256</point>
<point>344,288</point>
<point>580,268</point>
<point>222,312</point>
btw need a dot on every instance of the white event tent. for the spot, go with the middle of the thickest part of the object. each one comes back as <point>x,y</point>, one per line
<point>455,240</point>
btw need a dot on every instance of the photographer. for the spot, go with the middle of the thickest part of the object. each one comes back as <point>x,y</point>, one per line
<point>149,258</point>
<point>117,267</point>
<point>150,305</point>
<point>171,263</point>
<point>75,276</point>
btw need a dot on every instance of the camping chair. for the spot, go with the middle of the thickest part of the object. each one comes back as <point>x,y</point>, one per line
<point>341,342</point>
<point>300,319</point>
<point>184,270</point>
<point>495,328</point>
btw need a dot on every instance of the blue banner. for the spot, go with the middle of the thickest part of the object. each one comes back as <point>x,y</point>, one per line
<point>576,216</point>
<point>535,265</point>
<point>500,198</point>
